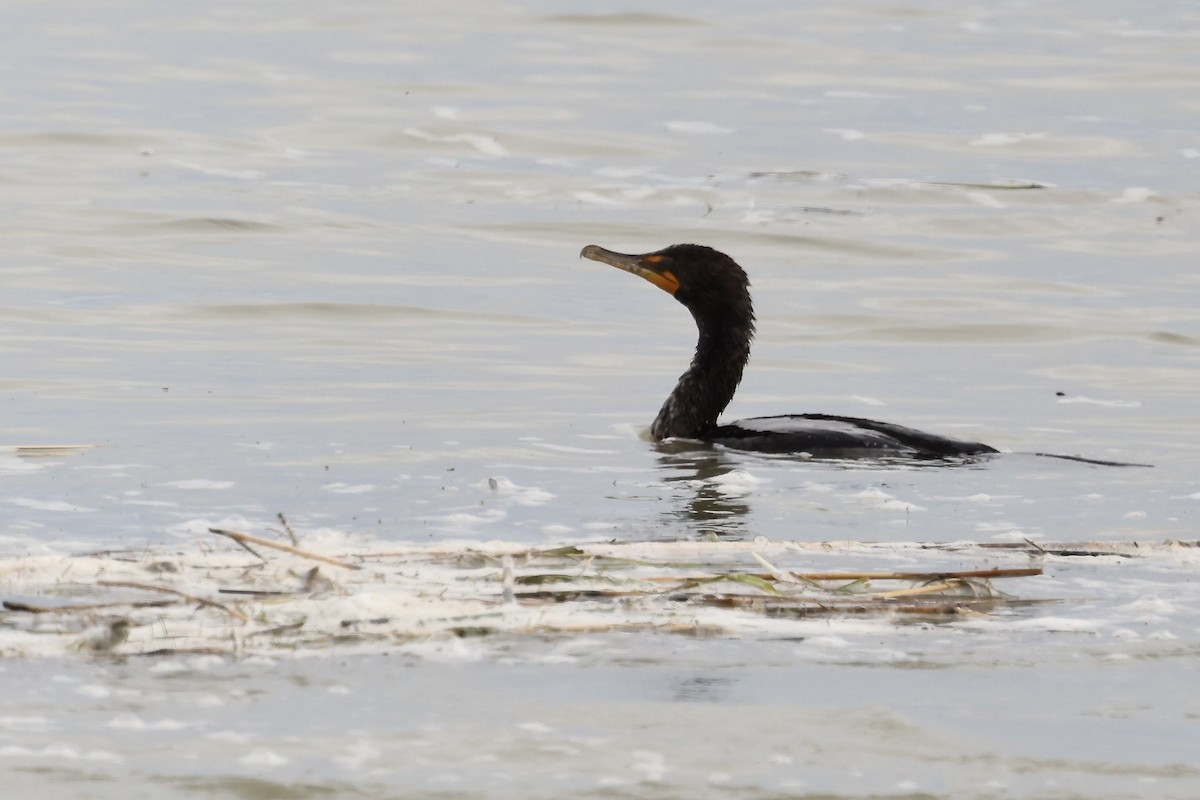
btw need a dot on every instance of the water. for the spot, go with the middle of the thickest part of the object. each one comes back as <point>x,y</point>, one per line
<point>683,727</point>
<point>324,261</point>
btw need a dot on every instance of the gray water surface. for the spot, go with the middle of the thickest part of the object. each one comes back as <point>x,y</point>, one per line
<point>323,260</point>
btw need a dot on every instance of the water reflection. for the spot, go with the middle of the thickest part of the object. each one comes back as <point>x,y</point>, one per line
<point>713,503</point>
<point>716,486</point>
<point>703,689</point>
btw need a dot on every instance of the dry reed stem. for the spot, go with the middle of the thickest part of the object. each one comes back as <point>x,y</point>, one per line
<point>1019,572</point>
<point>150,587</point>
<point>243,538</point>
<point>14,605</point>
<point>933,588</point>
<point>814,577</point>
<point>287,528</point>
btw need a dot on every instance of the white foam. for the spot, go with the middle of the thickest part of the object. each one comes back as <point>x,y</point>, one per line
<point>60,752</point>
<point>1082,400</point>
<point>483,144</point>
<point>49,505</point>
<point>736,483</point>
<point>200,483</point>
<point>347,488</point>
<point>263,757</point>
<point>1134,194</point>
<point>846,134</point>
<point>1002,139</point>
<point>697,127</point>
<point>223,172</point>
<point>132,722</point>
<point>870,401</point>
<point>878,498</point>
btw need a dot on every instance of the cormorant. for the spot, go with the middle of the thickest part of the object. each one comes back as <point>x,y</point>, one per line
<point>716,290</point>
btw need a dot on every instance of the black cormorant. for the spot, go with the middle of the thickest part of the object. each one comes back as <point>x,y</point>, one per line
<point>716,290</point>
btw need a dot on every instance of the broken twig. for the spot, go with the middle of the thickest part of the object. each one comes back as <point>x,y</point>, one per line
<point>242,538</point>
<point>150,587</point>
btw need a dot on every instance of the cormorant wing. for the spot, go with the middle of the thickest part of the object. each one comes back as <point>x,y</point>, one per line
<point>829,436</point>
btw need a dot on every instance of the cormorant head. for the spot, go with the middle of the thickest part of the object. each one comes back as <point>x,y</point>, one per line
<point>708,282</point>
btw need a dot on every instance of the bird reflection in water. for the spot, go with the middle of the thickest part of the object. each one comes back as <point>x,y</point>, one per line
<point>715,511</point>
<point>703,689</point>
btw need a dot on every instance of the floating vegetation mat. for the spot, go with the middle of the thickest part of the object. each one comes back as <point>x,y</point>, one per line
<point>233,593</point>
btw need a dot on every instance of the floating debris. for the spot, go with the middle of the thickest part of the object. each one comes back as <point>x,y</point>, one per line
<point>277,602</point>
<point>45,450</point>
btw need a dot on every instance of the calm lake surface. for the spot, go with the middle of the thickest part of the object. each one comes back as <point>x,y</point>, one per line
<point>323,260</point>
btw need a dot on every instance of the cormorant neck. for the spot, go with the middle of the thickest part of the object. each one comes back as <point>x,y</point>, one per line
<point>722,350</point>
